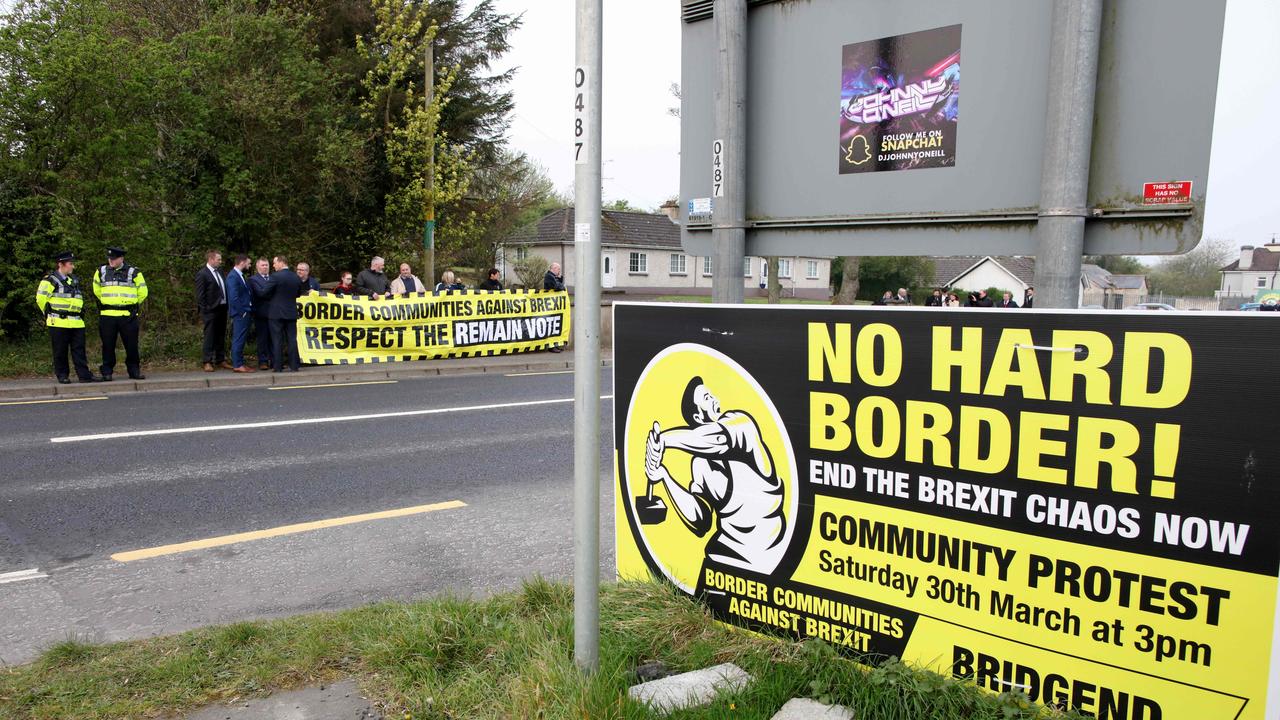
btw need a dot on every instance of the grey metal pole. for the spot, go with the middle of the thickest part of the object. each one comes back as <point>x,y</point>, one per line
<point>1064,179</point>
<point>586,338</point>
<point>729,203</point>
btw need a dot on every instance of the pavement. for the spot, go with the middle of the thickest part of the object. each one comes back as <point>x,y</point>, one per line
<point>197,379</point>
<point>137,513</point>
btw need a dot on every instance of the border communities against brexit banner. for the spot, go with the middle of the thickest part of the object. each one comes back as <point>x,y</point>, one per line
<point>340,330</point>
<point>1079,505</point>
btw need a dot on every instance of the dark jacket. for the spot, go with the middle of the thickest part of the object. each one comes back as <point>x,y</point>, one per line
<point>208,293</point>
<point>983,302</point>
<point>258,284</point>
<point>491,285</point>
<point>371,282</point>
<point>284,289</point>
<point>1010,304</point>
<point>239,296</point>
<point>1026,303</point>
<point>551,281</point>
<point>311,283</point>
<point>933,301</point>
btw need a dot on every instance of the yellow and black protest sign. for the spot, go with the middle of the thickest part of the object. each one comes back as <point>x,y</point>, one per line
<point>341,330</point>
<point>1082,506</point>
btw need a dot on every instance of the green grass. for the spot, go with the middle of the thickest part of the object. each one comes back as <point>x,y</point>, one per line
<point>509,656</point>
<point>173,347</point>
<point>750,300</point>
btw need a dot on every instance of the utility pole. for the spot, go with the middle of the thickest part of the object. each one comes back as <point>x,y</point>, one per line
<point>586,336</point>
<point>729,194</point>
<point>1064,179</point>
<point>429,227</point>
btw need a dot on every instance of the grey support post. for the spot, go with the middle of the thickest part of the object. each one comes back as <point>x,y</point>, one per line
<point>586,338</point>
<point>729,197</point>
<point>1064,180</point>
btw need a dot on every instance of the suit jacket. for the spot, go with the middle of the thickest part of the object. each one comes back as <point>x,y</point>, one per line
<point>258,284</point>
<point>208,292</point>
<point>283,290</point>
<point>239,296</point>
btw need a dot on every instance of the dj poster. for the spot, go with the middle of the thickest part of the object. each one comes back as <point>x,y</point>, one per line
<point>900,102</point>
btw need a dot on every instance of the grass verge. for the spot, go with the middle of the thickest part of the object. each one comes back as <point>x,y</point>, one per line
<point>509,656</point>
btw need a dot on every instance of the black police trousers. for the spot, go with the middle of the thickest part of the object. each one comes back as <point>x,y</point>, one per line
<point>72,339</point>
<point>125,328</point>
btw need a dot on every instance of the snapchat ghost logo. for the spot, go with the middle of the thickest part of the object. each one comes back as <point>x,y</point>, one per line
<point>859,150</point>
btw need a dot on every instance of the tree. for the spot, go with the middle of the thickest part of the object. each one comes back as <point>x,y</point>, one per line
<point>1195,274</point>
<point>621,205</point>
<point>1118,264</point>
<point>847,283</point>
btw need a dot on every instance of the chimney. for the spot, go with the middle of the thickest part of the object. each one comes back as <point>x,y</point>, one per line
<point>671,209</point>
<point>1246,257</point>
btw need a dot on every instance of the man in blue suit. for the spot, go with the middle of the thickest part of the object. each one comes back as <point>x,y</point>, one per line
<point>283,291</point>
<point>240,309</point>
<point>261,324</point>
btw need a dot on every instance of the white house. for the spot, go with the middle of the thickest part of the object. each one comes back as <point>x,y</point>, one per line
<point>1016,274</point>
<point>641,255</point>
<point>1256,269</point>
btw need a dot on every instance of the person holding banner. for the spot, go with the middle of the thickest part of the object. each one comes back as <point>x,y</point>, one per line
<point>344,286</point>
<point>371,281</point>
<point>553,280</point>
<point>449,281</point>
<point>492,283</point>
<point>406,282</point>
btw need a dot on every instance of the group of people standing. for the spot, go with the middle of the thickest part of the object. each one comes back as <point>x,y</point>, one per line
<point>264,300</point>
<point>120,289</point>
<point>941,298</point>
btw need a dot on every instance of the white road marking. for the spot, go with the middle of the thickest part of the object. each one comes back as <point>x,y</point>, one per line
<point>59,400</point>
<point>546,372</point>
<point>20,575</point>
<point>329,385</point>
<point>308,421</point>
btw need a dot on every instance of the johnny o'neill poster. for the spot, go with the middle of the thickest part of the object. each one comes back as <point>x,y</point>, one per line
<point>900,102</point>
<point>1078,505</point>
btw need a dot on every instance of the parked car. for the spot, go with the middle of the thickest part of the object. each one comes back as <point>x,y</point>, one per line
<point>1250,307</point>
<point>1152,306</point>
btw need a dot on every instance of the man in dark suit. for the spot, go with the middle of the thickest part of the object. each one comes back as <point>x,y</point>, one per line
<point>284,289</point>
<point>211,301</point>
<point>261,324</point>
<point>240,308</point>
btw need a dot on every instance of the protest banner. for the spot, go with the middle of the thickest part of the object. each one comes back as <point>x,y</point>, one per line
<point>1078,505</point>
<point>342,330</point>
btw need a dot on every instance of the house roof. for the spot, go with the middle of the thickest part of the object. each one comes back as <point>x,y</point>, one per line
<point>947,270</point>
<point>1265,259</point>
<point>1094,276</point>
<point>618,228</point>
<point>1128,282</point>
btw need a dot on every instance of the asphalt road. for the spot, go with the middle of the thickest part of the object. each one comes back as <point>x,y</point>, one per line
<point>495,449</point>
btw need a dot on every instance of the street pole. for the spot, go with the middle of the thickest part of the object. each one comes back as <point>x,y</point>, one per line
<point>729,197</point>
<point>586,337</point>
<point>429,227</point>
<point>1064,179</point>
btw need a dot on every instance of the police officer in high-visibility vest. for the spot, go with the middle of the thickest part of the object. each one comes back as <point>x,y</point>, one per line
<point>62,303</point>
<point>120,289</point>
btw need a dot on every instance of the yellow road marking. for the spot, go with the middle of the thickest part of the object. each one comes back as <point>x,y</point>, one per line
<point>323,385</point>
<point>548,372</point>
<point>59,400</point>
<point>282,530</point>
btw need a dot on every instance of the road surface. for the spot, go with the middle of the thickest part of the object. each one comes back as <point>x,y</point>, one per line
<point>152,513</point>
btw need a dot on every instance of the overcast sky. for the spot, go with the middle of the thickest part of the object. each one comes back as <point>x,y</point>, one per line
<point>642,141</point>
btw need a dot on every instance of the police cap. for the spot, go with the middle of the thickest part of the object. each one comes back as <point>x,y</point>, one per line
<point>115,252</point>
<point>65,256</point>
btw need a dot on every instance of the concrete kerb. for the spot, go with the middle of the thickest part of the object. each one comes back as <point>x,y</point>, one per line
<point>317,375</point>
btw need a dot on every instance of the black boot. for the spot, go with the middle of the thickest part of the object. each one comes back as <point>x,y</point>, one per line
<point>64,381</point>
<point>106,377</point>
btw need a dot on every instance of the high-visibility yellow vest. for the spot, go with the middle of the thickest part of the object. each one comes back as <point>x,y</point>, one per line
<point>60,301</point>
<point>119,290</point>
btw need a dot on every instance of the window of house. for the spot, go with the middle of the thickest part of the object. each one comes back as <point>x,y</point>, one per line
<point>784,268</point>
<point>811,269</point>
<point>522,253</point>
<point>746,267</point>
<point>677,266</point>
<point>638,263</point>
<point>706,266</point>
<point>1262,281</point>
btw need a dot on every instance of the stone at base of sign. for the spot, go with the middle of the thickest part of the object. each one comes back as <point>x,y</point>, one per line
<point>806,709</point>
<point>691,689</point>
